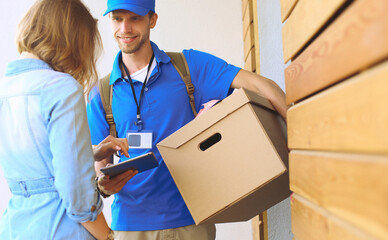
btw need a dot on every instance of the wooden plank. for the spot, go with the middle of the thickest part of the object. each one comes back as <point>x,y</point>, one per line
<point>248,19</point>
<point>306,19</point>
<point>350,116</point>
<point>286,7</point>
<point>357,39</point>
<point>264,225</point>
<point>250,63</point>
<point>260,226</point>
<point>256,228</point>
<point>244,7</point>
<point>248,42</point>
<point>311,222</point>
<point>256,35</point>
<point>351,186</point>
<point>259,223</point>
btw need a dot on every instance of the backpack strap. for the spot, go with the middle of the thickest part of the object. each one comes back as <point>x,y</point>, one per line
<point>180,64</point>
<point>106,91</point>
<point>178,60</point>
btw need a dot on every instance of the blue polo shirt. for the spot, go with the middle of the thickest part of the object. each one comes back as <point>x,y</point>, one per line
<point>151,200</point>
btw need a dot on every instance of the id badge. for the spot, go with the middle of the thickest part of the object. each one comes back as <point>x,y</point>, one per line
<point>139,139</point>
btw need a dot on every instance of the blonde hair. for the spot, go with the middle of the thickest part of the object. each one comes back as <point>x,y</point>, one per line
<point>64,34</point>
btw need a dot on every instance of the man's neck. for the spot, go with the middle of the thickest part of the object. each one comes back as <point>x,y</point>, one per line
<point>138,60</point>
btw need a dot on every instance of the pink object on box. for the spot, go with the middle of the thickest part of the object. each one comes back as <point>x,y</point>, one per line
<point>207,106</point>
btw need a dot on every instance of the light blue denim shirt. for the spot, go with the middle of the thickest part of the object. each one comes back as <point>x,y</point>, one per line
<point>45,154</point>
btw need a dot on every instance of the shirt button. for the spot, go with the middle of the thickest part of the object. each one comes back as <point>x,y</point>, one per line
<point>93,208</point>
<point>146,89</point>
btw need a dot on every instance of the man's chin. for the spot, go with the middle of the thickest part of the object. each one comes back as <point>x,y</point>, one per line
<point>126,51</point>
<point>130,50</point>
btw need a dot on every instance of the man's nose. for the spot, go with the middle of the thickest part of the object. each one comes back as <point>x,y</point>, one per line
<point>126,27</point>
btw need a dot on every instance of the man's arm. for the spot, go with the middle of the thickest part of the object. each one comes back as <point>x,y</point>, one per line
<point>263,86</point>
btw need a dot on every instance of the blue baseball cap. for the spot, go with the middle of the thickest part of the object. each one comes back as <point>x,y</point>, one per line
<point>140,7</point>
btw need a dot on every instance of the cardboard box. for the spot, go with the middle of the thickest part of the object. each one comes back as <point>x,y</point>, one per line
<point>230,164</point>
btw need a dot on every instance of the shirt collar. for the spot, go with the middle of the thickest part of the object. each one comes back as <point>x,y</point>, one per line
<point>160,57</point>
<point>25,65</point>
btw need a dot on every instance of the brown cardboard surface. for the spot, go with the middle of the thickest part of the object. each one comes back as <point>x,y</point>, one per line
<point>239,176</point>
<point>255,202</point>
<point>213,115</point>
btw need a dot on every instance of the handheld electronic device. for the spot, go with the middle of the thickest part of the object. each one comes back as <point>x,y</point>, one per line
<point>140,163</point>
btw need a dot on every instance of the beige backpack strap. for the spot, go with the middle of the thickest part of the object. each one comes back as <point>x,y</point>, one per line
<point>106,92</point>
<point>180,64</point>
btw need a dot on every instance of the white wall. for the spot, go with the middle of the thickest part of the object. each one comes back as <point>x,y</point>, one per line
<point>214,26</point>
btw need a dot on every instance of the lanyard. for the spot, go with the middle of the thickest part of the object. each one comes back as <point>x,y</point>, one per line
<point>139,122</point>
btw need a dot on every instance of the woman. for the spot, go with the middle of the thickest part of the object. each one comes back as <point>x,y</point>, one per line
<point>45,149</point>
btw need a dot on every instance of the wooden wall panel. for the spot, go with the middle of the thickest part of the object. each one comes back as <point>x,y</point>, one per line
<point>248,18</point>
<point>248,42</point>
<point>260,226</point>
<point>256,36</point>
<point>306,19</point>
<point>357,39</point>
<point>250,62</point>
<point>264,225</point>
<point>256,228</point>
<point>310,222</point>
<point>286,7</point>
<point>353,187</point>
<point>244,7</point>
<point>351,116</point>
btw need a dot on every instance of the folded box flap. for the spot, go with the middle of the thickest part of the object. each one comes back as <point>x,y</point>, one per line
<point>215,114</point>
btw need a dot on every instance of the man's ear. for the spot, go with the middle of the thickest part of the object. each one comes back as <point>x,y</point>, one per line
<point>153,20</point>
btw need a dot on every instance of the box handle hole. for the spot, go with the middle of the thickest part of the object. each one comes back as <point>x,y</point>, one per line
<point>210,142</point>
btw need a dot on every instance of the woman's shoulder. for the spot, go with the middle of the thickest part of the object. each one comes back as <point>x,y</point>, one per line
<point>58,80</point>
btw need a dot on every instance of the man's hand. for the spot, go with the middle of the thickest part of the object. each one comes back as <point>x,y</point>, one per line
<point>111,186</point>
<point>109,146</point>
